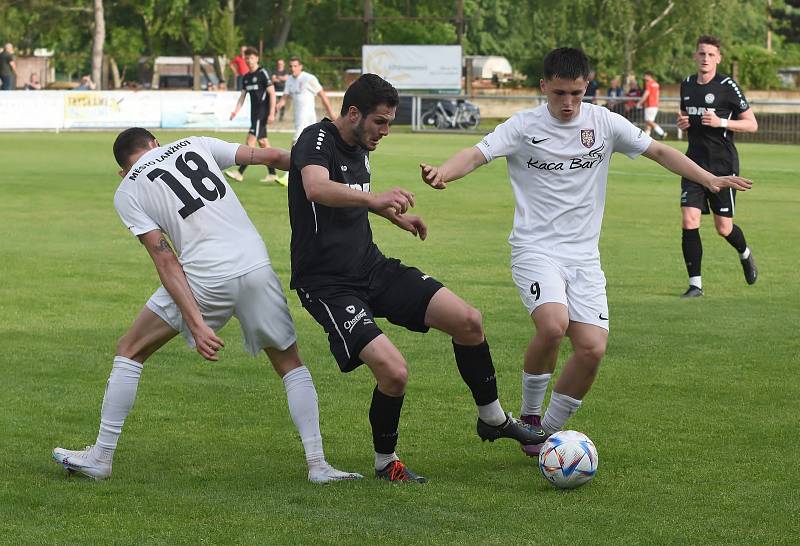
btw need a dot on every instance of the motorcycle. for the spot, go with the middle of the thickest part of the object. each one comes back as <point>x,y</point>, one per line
<point>452,114</point>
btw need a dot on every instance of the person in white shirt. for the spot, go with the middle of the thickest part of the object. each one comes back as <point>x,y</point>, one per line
<point>558,157</point>
<point>176,197</point>
<point>302,87</point>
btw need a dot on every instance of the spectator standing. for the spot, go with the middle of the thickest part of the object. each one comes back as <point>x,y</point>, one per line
<point>591,88</point>
<point>240,68</point>
<point>8,68</point>
<point>279,77</point>
<point>615,90</point>
<point>633,92</point>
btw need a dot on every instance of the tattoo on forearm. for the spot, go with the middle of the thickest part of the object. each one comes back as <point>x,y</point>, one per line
<point>163,246</point>
<point>252,152</point>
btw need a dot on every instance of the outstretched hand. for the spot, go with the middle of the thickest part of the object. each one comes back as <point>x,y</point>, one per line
<point>736,182</point>
<point>207,343</point>
<point>432,176</point>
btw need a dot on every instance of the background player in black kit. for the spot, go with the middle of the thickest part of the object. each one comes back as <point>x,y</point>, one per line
<point>345,282</point>
<point>713,108</point>
<point>258,84</point>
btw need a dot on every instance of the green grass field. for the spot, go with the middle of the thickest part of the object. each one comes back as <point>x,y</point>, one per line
<point>694,414</point>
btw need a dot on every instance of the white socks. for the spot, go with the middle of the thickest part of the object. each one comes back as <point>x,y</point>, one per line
<point>534,387</point>
<point>696,281</point>
<point>117,403</point>
<point>560,409</point>
<point>492,414</point>
<point>382,460</point>
<point>659,130</point>
<point>302,400</point>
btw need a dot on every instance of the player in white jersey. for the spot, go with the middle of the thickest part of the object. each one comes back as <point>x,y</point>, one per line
<point>558,157</point>
<point>222,269</point>
<point>302,87</point>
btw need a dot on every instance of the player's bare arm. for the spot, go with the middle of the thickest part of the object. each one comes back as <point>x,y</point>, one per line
<point>282,103</point>
<point>321,189</point>
<point>458,166</point>
<point>239,104</point>
<point>272,107</point>
<point>174,280</point>
<point>673,160</point>
<point>272,157</point>
<point>327,104</point>
<point>746,122</point>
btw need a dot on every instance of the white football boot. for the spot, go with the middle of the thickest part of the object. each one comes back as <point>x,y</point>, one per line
<point>235,174</point>
<point>325,473</point>
<point>85,462</point>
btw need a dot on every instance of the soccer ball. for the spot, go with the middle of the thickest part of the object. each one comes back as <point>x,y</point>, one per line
<point>568,459</point>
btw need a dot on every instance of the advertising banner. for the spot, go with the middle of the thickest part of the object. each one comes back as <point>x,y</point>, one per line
<point>415,67</point>
<point>99,109</point>
<point>31,110</point>
<point>205,110</point>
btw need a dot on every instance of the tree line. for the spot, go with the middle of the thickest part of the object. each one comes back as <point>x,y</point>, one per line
<point>620,36</point>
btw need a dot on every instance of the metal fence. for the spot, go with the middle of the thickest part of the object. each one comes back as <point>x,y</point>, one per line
<point>778,120</point>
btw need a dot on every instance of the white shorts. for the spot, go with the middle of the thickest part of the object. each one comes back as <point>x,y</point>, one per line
<point>650,113</point>
<point>581,288</point>
<point>255,298</point>
<point>303,121</point>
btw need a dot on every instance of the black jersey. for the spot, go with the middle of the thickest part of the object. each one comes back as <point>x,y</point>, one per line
<point>256,83</point>
<point>330,245</point>
<point>712,147</point>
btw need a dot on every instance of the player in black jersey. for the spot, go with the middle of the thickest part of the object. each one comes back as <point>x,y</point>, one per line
<point>713,108</point>
<point>258,85</point>
<point>345,282</point>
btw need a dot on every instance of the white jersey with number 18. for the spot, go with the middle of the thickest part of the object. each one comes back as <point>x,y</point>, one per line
<point>180,189</point>
<point>559,172</point>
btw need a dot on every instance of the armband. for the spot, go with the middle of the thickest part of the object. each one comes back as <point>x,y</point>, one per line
<point>723,123</point>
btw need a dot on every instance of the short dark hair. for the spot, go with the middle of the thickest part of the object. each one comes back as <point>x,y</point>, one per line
<point>129,142</point>
<point>250,51</point>
<point>710,40</point>
<point>295,58</point>
<point>367,93</point>
<point>568,63</point>
<point>648,73</point>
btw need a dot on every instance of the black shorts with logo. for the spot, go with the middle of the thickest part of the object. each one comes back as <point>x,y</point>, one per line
<point>258,123</point>
<point>393,291</point>
<point>699,197</point>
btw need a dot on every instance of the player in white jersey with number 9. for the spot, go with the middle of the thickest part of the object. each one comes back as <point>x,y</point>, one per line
<point>222,269</point>
<point>558,156</point>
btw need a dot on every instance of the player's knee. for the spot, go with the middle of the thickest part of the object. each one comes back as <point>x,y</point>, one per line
<point>128,348</point>
<point>551,332</point>
<point>471,326</point>
<point>724,230</point>
<point>591,354</point>
<point>394,378</point>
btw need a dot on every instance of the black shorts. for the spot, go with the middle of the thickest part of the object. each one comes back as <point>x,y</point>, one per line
<point>696,196</point>
<point>258,124</point>
<point>394,291</point>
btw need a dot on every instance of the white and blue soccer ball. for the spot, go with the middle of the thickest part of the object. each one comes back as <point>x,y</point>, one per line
<point>568,459</point>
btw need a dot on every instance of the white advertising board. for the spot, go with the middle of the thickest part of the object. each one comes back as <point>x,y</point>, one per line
<point>211,110</point>
<point>83,109</point>
<point>415,67</point>
<point>31,110</point>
